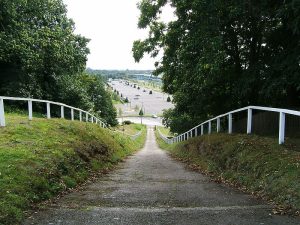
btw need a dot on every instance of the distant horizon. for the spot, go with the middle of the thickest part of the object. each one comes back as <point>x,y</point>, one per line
<point>121,69</point>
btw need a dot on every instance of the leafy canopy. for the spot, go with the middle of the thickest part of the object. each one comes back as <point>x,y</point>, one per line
<point>223,54</point>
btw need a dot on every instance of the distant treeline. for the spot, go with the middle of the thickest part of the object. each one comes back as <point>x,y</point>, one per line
<point>117,74</point>
<point>41,57</point>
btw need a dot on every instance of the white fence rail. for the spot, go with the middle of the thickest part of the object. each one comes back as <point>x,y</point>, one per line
<point>167,140</point>
<point>88,116</point>
<point>194,131</point>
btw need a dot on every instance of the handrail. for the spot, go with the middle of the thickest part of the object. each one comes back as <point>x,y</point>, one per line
<point>165,139</point>
<point>48,107</point>
<point>194,131</point>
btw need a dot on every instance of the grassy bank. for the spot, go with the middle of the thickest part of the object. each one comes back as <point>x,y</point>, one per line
<point>131,129</point>
<point>255,164</point>
<point>42,158</point>
<point>165,131</point>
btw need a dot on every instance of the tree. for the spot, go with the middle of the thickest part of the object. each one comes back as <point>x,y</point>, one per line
<point>215,52</point>
<point>40,47</point>
<point>141,113</point>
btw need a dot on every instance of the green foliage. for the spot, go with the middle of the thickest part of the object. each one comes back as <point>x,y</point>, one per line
<point>169,99</point>
<point>41,57</point>
<point>257,164</point>
<point>141,113</point>
<point>222,55</point>
<point>38,46</point>
<point>34,168</point>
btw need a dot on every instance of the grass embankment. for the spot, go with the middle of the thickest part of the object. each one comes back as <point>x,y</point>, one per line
<point>165,131</point>
<point>131,129</point>
<point>257,165</point>
<point>42,158</point>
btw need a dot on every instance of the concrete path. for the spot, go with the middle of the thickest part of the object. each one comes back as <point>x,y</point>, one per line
<point>151,188</point>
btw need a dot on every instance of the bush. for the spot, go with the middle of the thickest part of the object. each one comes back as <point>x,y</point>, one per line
<point>150,92</point>
<point>168,99</point>
<point>127,122</point>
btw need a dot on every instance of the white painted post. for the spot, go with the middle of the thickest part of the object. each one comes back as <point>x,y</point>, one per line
<point>230,123</point>
<point>249,121</point>
<point>48,111</point>
<point>80,116</point>
<point>202,130</point>
<point>196,131</point>
<point>72,114</point>
<point>92,119</point>
<point>281,127</point>
<point>30,109</point>
<point>2,116</point>
<point>96,120</point>
<point>86,117</point>
<point>218,125</point>
<point>62,112</point>
<point>209,127</point>
<point>187,135</point>
<point>191,133</point>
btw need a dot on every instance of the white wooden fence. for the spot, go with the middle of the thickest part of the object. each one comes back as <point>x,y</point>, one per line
<point>194,131</point>
<point>167,140</point>
<point>88,116</point>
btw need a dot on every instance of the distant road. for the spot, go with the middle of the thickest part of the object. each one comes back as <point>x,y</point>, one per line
<point>147,121</point>
<point>152,104</point>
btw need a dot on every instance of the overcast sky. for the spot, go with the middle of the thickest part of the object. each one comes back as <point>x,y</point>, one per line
<point>112,27</point>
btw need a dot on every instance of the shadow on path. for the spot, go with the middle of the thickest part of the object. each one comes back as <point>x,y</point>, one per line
<point>151,188</point>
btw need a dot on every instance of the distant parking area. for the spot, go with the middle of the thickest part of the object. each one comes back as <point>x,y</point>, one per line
<point>153,103</point>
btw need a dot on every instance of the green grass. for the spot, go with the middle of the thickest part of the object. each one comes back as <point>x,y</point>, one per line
<point>165,131</point>
<point>131,129</point>
<point>41,158</point>
<point>255,164</point>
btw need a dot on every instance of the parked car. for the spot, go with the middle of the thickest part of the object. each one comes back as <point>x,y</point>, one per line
<point>154,116</point>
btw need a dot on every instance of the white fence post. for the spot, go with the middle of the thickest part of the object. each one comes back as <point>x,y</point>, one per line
<point>86,117</point>
<point>2,116</point>
<point>281,127</point>
<point>230,123</point>
<point>202,130</point>
<point>209,127</point>
<point>196,131</point>
<point>30,109</point>
<point>249,121</point>
<point>80,115</point>
<point>72,114</point>
<point>48,111</point>
<point>62,112</point>
<point>218,125</point>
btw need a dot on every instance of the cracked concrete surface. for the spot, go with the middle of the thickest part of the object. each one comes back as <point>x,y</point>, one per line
<point>151,188</point>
